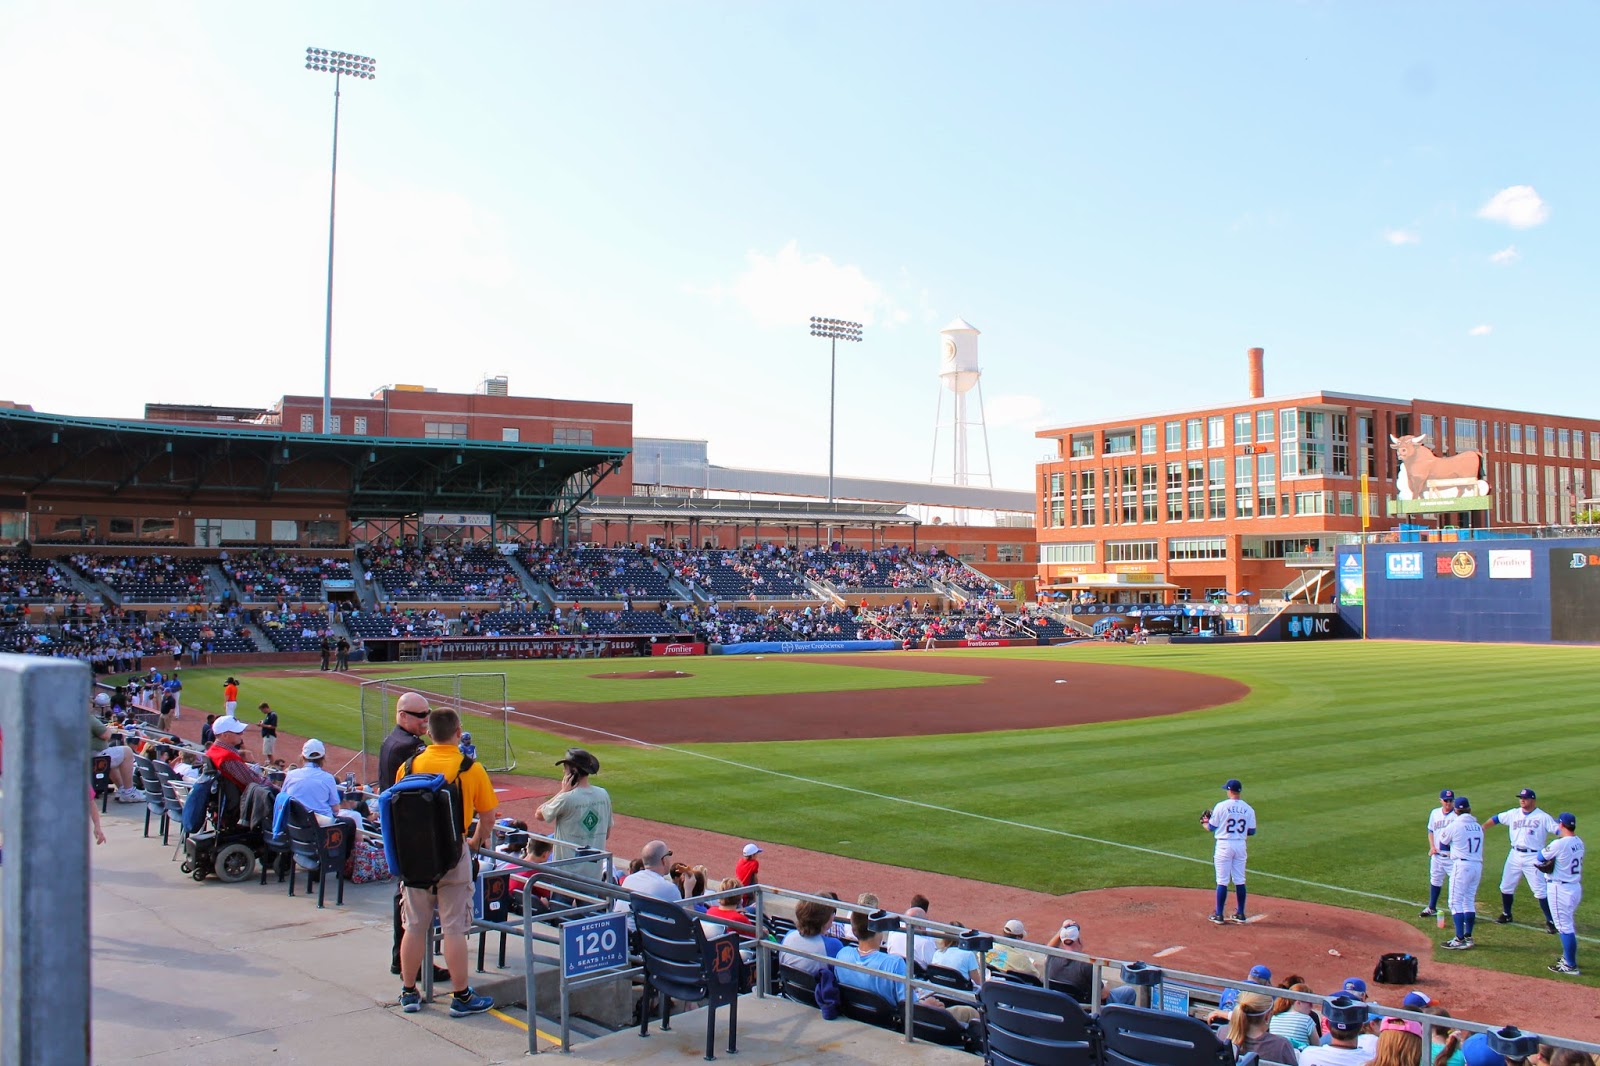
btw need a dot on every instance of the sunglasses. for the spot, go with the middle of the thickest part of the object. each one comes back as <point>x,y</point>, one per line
<point>415,714</point>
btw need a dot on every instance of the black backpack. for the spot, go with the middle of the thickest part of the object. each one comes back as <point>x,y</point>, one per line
<point>1395,968</point>
<point>422,834</point>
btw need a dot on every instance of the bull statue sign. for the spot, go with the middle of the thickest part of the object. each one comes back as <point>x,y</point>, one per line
<point>1426,476</point>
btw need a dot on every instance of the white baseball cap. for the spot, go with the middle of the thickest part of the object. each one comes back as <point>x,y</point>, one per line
<point>311,749</point>
<point>751,849</point>
<point>1014,927</point>
<point>102,699</point>
<point>1069,931</point>
<point>227,724</point>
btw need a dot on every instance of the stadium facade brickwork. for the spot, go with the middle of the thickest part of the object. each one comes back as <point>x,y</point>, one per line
<point>1244,496</point>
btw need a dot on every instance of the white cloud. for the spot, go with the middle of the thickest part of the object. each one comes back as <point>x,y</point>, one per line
<point>1506,256</point>
<point>1518,206</point>
<point>1480,331</point>
<point>1398,237</point>
<point>787,288</point>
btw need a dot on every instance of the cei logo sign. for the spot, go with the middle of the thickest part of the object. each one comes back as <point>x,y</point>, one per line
<point>1403,566</point>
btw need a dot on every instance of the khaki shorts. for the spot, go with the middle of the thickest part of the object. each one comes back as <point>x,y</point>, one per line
<point>453,899</point>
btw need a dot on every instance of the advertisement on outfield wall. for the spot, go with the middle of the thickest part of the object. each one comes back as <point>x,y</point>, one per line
<point>1574,595</point>
<point>678,647</point>
<point>1406,566</point>
<point>1513,564</point>
<point>1352,581</point>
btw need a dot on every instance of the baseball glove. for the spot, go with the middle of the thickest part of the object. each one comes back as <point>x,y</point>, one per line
<point>1205,816</point>
<point>1545,866</point>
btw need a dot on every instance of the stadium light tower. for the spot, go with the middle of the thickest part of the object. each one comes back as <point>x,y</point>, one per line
<point>338,64</point>
<point>835,330</point>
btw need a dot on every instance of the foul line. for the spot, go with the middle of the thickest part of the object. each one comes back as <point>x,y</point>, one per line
<point>520,1024</point>
<point>1010,823</point>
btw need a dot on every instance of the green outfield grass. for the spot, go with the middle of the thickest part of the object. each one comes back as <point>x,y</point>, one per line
<point>1342,747</point>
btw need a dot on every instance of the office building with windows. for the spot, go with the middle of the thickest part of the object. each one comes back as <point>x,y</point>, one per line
<point>1251,497</point>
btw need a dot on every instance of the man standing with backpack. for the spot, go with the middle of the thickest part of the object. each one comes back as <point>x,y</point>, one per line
<point>466,791</point>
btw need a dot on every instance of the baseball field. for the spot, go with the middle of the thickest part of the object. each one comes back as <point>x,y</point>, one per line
<point>1065,769</point>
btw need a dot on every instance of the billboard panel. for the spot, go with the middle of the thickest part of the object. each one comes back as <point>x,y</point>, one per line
<point>1574,594</point>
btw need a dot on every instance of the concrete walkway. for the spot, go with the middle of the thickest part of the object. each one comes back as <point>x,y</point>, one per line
<point>188,972</point>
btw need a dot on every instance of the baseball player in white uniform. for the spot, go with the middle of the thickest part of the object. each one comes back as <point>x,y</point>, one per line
<point>1530,827</point>
<point>1462,838</point>
<point>1438,861</point>
<point>1232,822</point>
<point>1565,856</point>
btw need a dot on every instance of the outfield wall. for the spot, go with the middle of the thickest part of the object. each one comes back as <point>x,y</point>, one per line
<point>1521,591</point>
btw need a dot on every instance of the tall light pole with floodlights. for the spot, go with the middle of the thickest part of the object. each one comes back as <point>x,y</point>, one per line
<point>338,64</point>
<point>835,330</point>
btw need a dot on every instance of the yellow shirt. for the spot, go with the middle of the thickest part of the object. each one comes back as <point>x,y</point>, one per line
<point>477,793</point>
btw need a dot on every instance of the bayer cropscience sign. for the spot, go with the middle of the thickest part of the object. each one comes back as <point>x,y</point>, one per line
<point>590,945</point>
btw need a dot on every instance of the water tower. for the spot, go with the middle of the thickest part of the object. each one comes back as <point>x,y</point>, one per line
<point>959,375</point>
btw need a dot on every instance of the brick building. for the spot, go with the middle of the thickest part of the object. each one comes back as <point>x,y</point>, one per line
<point>1189,504</point>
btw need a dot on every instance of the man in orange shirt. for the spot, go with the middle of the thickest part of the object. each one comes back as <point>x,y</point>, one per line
<point>452,896</point>
<point>230,696</point>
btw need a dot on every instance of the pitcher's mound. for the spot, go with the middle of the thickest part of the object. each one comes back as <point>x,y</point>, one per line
<point>642,675</point>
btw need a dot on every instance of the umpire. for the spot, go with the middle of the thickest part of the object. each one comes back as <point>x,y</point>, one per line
<point>404,741</point>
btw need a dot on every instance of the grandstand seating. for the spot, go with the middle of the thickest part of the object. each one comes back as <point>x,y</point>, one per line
<point>291,632</point>
<point>268,574</point>
<point>364,625</point>
<point>24,579</point>
<point>225,639</point>
<point>149,578</point>
<point>597,573</point>
<point>883,570</point>
<point>741,574</point>
<point>442,572</point>
<point>953,571</point>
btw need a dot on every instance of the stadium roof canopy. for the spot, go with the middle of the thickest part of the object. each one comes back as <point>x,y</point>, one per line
<point>370,477</point>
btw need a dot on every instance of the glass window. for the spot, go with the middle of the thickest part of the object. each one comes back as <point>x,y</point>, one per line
<point>1056,514</point>
<point>1549,440</point>
<point>1147,438</point>
<point>1131,551</point>
<point>119,527</point>
<point>1174,436</point>
<point>1196,437</point>
<point>1216,425</point>
<point>1197,489</point>
<point>1119,442</point>
<point>1594,445</point>
<point>586,437</point>
<point>1577,444</point>
<point>1242,431</point>
<point>361,425</point>
<point>509,435</point>
<point>445,430</point>
<point>1082,445</point>
<point>1427,431</point>
<point>1174,492</point>
<point>1266,427</point>
<point>1267,485</point>
<point>158,529</point>
<point>1197,548</point>
<point>1150,493</point>
<point>334,423</point>
<point>1082,552</point>
<point>1347,503</point>
<point>1515,438</point>
<point>308,423</point>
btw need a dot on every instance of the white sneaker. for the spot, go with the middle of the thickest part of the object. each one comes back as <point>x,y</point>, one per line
<point>130,795</point>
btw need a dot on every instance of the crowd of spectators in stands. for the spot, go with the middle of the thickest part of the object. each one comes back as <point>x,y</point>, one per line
<point>591,573</point>
<point>884,568</point>
<point>148,578</point>
<point>269,574</point>
<point>441,572</point>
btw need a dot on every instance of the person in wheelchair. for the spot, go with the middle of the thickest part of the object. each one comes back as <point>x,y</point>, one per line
<point>224,754</point>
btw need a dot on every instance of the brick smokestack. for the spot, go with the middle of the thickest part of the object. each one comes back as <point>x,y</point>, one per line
<point>1257,373</point>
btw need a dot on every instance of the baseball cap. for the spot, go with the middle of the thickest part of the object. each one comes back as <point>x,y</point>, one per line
<point>1568,819</point>
<point>1476,1050</point>
<point>102,699</point>
<point>1463,804</point>
<point>1354,987</point>
<point>1345,1015</point>
<point>1526,794</point>
<point>227,724</point>
<point>752,849</point>
<point>1014,927</point>
<point>580,760</point>
<point>312,749</point>
<point>1446,794</point>
<point>1233,785</point>
<point>1259,975</point>
<point>1070,932</point>
<point>1414,1028</point>
<point>1416,1001</point>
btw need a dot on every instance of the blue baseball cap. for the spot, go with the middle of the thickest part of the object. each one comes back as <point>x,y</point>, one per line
<point>1233,785</point>
<point>1447,794</point>
<point>1259,975</point>
<point>1568,819</point>
<point>1354,986</point>
<point>1416,1001</point>
<point>1526,794</point>
<point>1477,1052</point>
<point>1463,804</point>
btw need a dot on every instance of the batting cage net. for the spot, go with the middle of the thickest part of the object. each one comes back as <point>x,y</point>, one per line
<point>480,700</point>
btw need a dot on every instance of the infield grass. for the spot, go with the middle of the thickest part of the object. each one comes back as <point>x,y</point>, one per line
<point>1342,747</point>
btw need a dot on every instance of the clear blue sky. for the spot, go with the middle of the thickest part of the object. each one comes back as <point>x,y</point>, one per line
<point>645,201</point>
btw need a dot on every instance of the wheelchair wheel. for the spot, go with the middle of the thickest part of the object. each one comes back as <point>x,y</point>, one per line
<point>234,863</point>
<point>198,874</point>
<point>187,867</point>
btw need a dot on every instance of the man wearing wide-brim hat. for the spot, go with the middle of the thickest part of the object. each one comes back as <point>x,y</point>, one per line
<point>579,811</point>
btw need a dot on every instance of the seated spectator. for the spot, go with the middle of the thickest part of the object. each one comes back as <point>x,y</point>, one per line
<point>1399,1043</point>
<point>651,878</point>
<point>725,910</point>
<point>314,788</point>
<point>867,951</point>
<point>1248,1030</point>
<point>950,954</point>
<point>1446,1041</point>
<point>121,758</point>
<point>1293,1020</point>
<point>1341,1048</point>
<point>1013,960</point>
<point>207,734</point>
<point>811,920</point>
<point>1258,975</point>
<point>691,881</point>
<point>224,754</point>
<point>895,943</point>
